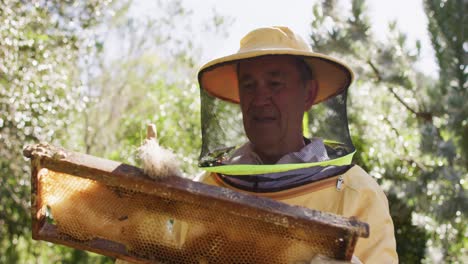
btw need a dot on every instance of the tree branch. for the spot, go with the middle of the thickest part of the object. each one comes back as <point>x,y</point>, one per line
<point>426,116</point>
<point>407,158</point>
<point>375,70</point>
<point>423,115</point>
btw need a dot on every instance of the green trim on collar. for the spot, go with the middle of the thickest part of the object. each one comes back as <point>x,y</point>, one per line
<point>247,169</point>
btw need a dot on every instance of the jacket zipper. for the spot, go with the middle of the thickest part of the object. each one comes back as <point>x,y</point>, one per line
<point>339,183</point>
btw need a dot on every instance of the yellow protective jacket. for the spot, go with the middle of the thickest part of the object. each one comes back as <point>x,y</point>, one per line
<point>358,195</point>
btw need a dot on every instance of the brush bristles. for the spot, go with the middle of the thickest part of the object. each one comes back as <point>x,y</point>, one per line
<point>158,162</point>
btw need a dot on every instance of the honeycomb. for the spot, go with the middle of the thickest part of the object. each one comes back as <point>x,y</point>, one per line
<point>114,209</point>
<point>156,229</point>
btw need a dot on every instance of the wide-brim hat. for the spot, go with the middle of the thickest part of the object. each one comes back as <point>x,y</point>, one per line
<point>219,77</point>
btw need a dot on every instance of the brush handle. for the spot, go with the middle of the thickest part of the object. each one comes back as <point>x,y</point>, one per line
<point>151,132</point>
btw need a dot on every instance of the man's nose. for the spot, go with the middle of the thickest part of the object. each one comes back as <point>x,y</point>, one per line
<point>262,95</point>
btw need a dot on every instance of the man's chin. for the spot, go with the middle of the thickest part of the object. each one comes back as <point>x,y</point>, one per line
<point>264,144</point>
<point>264,122</point>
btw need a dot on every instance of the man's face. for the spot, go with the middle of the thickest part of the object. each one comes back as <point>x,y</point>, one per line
<point>273,98</point>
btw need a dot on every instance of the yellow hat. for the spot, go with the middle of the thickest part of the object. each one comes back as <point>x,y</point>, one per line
<point>219,77</point>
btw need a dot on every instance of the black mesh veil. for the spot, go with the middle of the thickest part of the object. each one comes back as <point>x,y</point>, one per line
<point>223,131</point>
<point>328,120</point>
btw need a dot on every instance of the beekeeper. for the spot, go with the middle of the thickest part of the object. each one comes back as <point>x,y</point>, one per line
<point>274,125</point>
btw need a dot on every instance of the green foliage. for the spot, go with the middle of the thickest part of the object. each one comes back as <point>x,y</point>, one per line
<point>411,239</point>
<point>89,76</point>
<point>411,128</point>
<point>40,43</point>
<point>447,21</point>
<point>152,79</point>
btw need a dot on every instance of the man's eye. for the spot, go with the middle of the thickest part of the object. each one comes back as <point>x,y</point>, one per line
<point>247,86</point>
<point>276,84</point>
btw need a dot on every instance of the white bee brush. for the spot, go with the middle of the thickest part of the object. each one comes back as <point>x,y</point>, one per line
<point>157,162</point>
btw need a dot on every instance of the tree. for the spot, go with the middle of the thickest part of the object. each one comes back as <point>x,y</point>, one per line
<point>151,80</point>
<point>449,96</point>
<point>402,140</point>
<point>62,81</point>
<point>40,46</point>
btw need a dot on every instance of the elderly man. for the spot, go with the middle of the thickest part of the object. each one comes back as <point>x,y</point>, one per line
<point>275,78</point>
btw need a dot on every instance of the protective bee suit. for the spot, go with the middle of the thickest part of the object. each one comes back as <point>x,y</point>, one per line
<point>319,176</point>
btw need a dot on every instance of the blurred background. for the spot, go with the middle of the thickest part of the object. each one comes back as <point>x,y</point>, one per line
<point>89,76</point>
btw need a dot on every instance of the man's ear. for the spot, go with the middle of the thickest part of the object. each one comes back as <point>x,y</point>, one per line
<point>311,93</point>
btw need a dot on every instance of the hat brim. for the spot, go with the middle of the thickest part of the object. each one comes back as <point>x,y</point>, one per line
<point>219,77</point>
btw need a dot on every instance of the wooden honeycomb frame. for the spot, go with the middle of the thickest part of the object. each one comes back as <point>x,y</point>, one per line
<point>340,233</point>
